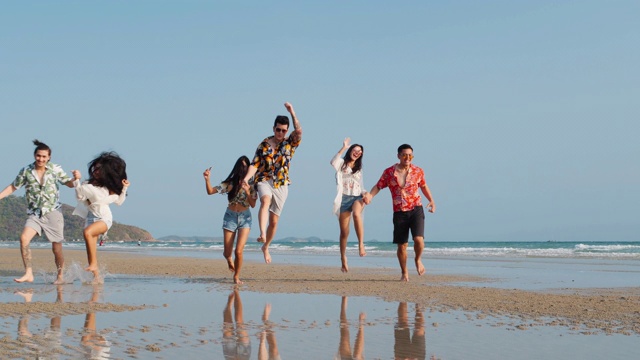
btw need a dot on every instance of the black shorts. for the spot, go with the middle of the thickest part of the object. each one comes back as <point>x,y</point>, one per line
<point>403,221</point>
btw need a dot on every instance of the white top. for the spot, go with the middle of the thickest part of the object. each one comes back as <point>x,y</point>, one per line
<point>96,199</point>
<point>347,183</point>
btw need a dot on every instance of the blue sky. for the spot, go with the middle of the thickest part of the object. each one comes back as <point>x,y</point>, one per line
<point>523,114</point>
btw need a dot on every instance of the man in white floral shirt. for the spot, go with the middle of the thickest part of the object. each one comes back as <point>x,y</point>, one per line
<point>41,180</point>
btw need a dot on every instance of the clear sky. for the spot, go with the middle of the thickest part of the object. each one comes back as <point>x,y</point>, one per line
<point>525,115</point>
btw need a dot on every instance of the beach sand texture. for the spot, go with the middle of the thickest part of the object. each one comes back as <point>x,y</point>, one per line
<point>585,311</point>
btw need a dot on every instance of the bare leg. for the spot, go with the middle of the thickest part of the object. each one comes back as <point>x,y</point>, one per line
<point>402,259</point>
<point>358,224</point>
<point>229,236</point>
<point>243,235</point>
<point>58,256</point>
<point>418,246</point>
<point>344,220</point>
<point>271,232</point>
<point>263,217</point>
<point>358,346</point>
<point>25,239</point>
<point>344,348</point>
<point>91,234</point>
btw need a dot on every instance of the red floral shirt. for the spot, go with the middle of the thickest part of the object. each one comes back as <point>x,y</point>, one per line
<point>407,197</point>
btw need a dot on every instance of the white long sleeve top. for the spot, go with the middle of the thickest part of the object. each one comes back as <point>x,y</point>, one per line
<point>96,199</point>
<point>347,183</point>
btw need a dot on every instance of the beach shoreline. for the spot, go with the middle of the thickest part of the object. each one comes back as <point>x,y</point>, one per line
<point>608,310</point>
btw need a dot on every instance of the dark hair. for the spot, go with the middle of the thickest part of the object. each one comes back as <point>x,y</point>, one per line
<point>282,120</point>
<point>108,170</point>
<point>40,146</point>
<point>357,165</point>
<point>236,176</point>
<point>404,147</point>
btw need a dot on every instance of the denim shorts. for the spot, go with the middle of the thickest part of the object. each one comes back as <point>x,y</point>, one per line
<point>347,202</point>
<point>91,218</point>
<point>234,220</point>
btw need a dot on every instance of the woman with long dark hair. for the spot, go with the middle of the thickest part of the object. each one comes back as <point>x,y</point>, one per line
<point>107,184</point>
<point>348,203</point>
<point>237,219</point>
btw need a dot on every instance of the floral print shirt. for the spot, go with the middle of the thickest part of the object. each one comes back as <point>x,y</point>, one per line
<point>241,198</point>
<point>273,164</point>
<point>407,197</point>
<point>41,198</point>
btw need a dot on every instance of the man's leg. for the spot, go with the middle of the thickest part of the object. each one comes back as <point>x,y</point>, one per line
<point>418,247</point>
<point>58,257</point>
<point>25,239</point>
<point>263,216</point>
<point>402,259</point>
<point>271,232</point>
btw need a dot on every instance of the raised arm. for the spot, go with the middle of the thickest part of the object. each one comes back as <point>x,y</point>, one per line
<point>297,133</point>
<point>335,160</point>
<point>210,189</point>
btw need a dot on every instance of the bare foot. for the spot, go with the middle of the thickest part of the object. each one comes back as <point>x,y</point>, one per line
<point>419,267</point>
<point>59,281</point>
<point>260,239</point>
<point>25,278</point>
<point>236,280</point>
<point>345,267</point>
<point>363,252</point>
<point>97,279</point>
<point>232,267</point>
<point>405,277</point>
<point>267,256</point>
<point>27,295</point>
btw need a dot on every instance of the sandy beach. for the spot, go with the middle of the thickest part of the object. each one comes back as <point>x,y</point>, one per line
<point>589,310</point>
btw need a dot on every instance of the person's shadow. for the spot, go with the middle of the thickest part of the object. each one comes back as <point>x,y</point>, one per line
<point>344,348</point>
<point>268,345</point>
<point>236,343</point>
<point>406,345</point>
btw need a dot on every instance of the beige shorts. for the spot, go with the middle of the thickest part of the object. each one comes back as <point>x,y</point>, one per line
<point>278,196</point>
<point>52,224</point>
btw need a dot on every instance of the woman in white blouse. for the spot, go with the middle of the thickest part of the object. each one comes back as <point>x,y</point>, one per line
<point>348,201</point>
<point>107,184</point>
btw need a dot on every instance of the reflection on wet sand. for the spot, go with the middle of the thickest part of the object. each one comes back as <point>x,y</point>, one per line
<point>344,350</point>
<point>268,345</point>
<point>408,346</point>
<point>95,345</point>
<point>236,343</point>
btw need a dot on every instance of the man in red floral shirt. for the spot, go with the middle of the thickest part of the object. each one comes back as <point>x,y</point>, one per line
<point>403,180</point>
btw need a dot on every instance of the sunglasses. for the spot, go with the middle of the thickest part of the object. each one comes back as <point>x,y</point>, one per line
<point>410,156</point>
<point>281,130</point>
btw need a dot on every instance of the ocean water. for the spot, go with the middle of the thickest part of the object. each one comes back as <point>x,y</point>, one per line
<point>511,249</point>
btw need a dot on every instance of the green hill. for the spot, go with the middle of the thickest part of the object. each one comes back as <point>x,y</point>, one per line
<point>13,214</point>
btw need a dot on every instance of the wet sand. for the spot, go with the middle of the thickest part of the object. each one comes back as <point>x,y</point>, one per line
<point>586,310</point>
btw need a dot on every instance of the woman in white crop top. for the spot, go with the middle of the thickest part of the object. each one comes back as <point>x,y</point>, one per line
<point>107,184</point>
<point>348,201</point>
<point>237,219</point>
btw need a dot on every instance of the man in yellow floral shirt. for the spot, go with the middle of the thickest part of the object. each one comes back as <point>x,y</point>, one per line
<point>270,166</point>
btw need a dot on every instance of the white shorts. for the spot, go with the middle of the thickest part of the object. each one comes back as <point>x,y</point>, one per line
<point>52,224</point>
<point>278,196</point>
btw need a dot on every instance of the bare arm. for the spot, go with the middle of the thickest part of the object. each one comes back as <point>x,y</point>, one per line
<point>210,189</point>
<point>367,197</point>
<point>123,194</point>
<point>345,146</point>
<point>252,199</point>
<point>250,172</point>
<point>297,133</point>
<point>76,176</point>
<point>432,205</point>
<point>7,191</point>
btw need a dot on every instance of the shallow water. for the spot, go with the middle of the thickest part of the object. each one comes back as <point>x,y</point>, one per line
<point>202,320</point>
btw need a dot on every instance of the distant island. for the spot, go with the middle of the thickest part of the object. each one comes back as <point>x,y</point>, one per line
<point>13,214</point>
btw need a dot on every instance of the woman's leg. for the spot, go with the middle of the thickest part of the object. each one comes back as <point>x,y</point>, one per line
<point>344,219</point>
<point>91,234</point>
<point>228,248</point>
<point>243,235</point>
<point>358,224</point>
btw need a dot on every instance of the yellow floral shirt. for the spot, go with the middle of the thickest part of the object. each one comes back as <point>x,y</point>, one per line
<point>273,164</point>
